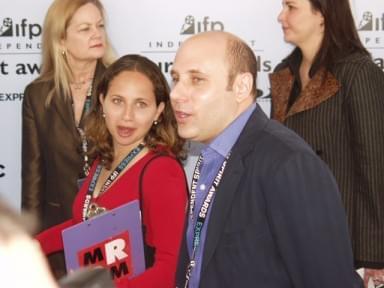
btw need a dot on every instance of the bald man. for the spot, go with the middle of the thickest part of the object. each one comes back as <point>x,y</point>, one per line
<point>264,210</point>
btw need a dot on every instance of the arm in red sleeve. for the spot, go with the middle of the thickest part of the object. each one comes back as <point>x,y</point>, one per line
<point>51,240</point>
<point>164,205</point>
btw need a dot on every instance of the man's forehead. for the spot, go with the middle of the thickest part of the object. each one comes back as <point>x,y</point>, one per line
<point>198,65</point>
<point>188,67</point>
<point>193,59</point>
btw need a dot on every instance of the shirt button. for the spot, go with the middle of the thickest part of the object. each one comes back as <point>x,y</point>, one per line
<point>202,187</point>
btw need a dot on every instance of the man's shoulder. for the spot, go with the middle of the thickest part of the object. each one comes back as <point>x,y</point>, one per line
<point>275,142</point>
<point>276,148</point>
<point>285,138</point>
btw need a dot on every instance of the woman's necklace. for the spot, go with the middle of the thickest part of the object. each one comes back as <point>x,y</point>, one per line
<point>78,85</point>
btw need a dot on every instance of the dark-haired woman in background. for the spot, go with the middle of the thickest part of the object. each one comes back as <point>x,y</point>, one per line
<point>330,92</point>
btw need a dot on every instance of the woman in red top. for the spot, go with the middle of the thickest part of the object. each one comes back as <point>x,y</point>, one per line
<point>130,126</point>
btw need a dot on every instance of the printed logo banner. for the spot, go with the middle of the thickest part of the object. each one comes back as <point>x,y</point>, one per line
<point>154,29</point>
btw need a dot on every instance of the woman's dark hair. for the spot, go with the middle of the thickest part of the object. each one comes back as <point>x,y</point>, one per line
<point>164,133</point>
<point>340,34</point>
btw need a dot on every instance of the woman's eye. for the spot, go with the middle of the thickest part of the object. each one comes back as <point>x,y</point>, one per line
<point>141,104</point>
<point>116,100</point>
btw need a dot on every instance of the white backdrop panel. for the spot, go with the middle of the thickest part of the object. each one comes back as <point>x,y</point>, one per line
<point>20,28</point>
<point>152,28</point>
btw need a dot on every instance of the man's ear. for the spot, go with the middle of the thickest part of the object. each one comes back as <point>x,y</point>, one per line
<point>242,86</point>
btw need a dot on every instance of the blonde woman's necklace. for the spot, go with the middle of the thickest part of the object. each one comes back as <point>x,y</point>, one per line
<point>78,85</point>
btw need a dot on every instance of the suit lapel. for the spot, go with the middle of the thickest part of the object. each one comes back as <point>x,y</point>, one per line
<point>319,89</point>
<point>231,179</point>
<point>221,207</point>
<point>63,108</point>
<point>281,86</point>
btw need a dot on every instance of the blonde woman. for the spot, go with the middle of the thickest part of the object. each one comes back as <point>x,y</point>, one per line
<point>74,55</point>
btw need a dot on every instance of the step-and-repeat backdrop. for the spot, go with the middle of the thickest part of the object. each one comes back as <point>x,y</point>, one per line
<point>154,29</point>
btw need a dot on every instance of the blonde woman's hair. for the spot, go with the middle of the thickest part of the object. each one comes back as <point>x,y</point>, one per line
<point>54,65</point>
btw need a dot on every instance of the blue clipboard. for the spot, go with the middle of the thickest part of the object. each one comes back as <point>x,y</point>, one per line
<point>113,239</point>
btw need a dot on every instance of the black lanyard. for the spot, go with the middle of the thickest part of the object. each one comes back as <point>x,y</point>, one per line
<point>84,142</point>
<point>88,101</point>
<point>112,177</point>
<point>202,216</point>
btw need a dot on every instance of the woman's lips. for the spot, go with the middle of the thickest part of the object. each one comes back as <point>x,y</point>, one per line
<point>100,45</point>
<point>125,131</point>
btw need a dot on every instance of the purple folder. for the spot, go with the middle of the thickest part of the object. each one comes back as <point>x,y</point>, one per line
<point>113,239</point>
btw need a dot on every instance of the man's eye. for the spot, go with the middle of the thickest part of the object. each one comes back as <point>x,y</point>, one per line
<point>197,80</point>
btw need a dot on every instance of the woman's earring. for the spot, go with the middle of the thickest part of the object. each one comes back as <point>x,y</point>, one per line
<point>63,53</point>
<point>103,115</point>
<point>155,123</point>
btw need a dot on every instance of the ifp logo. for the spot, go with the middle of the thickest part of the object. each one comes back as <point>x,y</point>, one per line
<point>6,29</point>
<point>192,25</point>
<point>10,28</point>
<point>369,22</point>
<point>2,171</point>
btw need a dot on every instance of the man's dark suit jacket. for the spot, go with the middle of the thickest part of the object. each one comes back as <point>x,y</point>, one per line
<point>277,220</point>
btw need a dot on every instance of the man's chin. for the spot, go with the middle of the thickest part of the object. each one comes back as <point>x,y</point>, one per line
<point>186,134</point>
